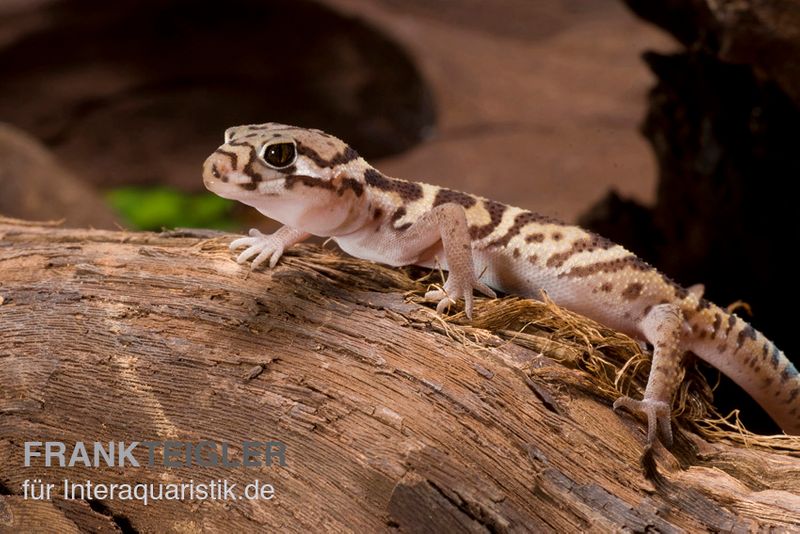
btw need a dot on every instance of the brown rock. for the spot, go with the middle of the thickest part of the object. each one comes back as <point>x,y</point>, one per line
<point>36,186</point>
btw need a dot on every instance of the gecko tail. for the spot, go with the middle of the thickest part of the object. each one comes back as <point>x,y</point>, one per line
<point>751,360</point>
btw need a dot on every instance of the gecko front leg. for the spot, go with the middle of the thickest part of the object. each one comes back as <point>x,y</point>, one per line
<point>448,223</point>
<point>267,246</point>
<point>662,327</point>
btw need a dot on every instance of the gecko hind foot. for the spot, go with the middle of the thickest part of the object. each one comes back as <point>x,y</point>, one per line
<point>454,289</point>
<point>260,245</point>
<point>658,415</point>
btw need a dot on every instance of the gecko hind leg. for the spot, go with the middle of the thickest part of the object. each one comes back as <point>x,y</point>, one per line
<point>448,223</point>
<point>662,327</point>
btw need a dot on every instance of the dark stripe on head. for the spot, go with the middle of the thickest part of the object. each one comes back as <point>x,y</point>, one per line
<point>495,210</point>
<point>308,181</point>
<point>447,196</point>
<point>248,169</point>
<point>353,184</point>
<point>232,155</point>
<point>347,155</point>
<point>703,304</point>
<point>408,191</point>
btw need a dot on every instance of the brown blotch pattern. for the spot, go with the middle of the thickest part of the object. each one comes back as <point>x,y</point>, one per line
<point>748,332</point>
<point>680,291</point>
<point>408,191</point>
<point>606,287</point>
<point>446,196</point>
<point>587,244</point>
<point>608,266</point>
<point>731,323</point>
<point>776,356</point>
<point>396,216</point>
<point>520,221</point>
<point>717,323</point>
<point>495,210</point>
<point>352,184</point>
<point>633,291</point>
<point>534,238</point>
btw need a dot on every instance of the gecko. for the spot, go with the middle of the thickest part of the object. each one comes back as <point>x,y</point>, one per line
<point>315,184</point>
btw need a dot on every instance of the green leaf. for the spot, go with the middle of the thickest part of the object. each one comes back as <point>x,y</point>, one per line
<point>153,208</point>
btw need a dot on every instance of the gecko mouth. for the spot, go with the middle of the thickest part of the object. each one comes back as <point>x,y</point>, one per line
<point>231,179</point>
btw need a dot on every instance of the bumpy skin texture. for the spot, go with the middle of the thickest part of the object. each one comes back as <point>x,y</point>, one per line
<point>320,186</point>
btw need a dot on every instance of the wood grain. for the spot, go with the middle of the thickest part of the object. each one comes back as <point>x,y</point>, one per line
<point>389,422</point>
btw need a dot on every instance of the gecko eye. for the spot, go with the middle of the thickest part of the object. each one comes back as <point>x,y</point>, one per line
<point>279,155</point>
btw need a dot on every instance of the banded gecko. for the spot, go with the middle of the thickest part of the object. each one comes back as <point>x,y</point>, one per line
<point>315,184</point>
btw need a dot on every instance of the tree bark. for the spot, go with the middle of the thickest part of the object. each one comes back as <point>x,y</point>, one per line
<point>392,418</point>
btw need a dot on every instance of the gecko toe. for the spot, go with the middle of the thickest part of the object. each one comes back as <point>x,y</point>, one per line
<point>444,305</point>
<point>246,254</point>
<point>486,290</point>
<point>658,417</point>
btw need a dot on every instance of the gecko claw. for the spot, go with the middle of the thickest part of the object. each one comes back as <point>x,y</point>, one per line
<point>658,417</point>
<point>453,290</point>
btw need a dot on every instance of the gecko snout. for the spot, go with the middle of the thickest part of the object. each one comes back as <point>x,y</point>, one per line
<point>216,168</point>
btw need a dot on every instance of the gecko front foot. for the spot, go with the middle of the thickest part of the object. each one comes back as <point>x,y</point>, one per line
<point>658,417</point>
<point>260,245</point>
<point>457,287</point>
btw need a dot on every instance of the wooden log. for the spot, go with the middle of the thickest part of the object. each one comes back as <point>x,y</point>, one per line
<point>393,418</point>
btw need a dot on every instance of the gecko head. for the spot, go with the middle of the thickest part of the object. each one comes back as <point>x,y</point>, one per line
<point>300,177</point>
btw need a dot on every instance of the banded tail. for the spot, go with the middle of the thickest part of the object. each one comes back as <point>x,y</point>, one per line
<point>750,359</point>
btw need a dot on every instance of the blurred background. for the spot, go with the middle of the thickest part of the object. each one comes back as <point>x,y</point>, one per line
<point>687,154</point>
